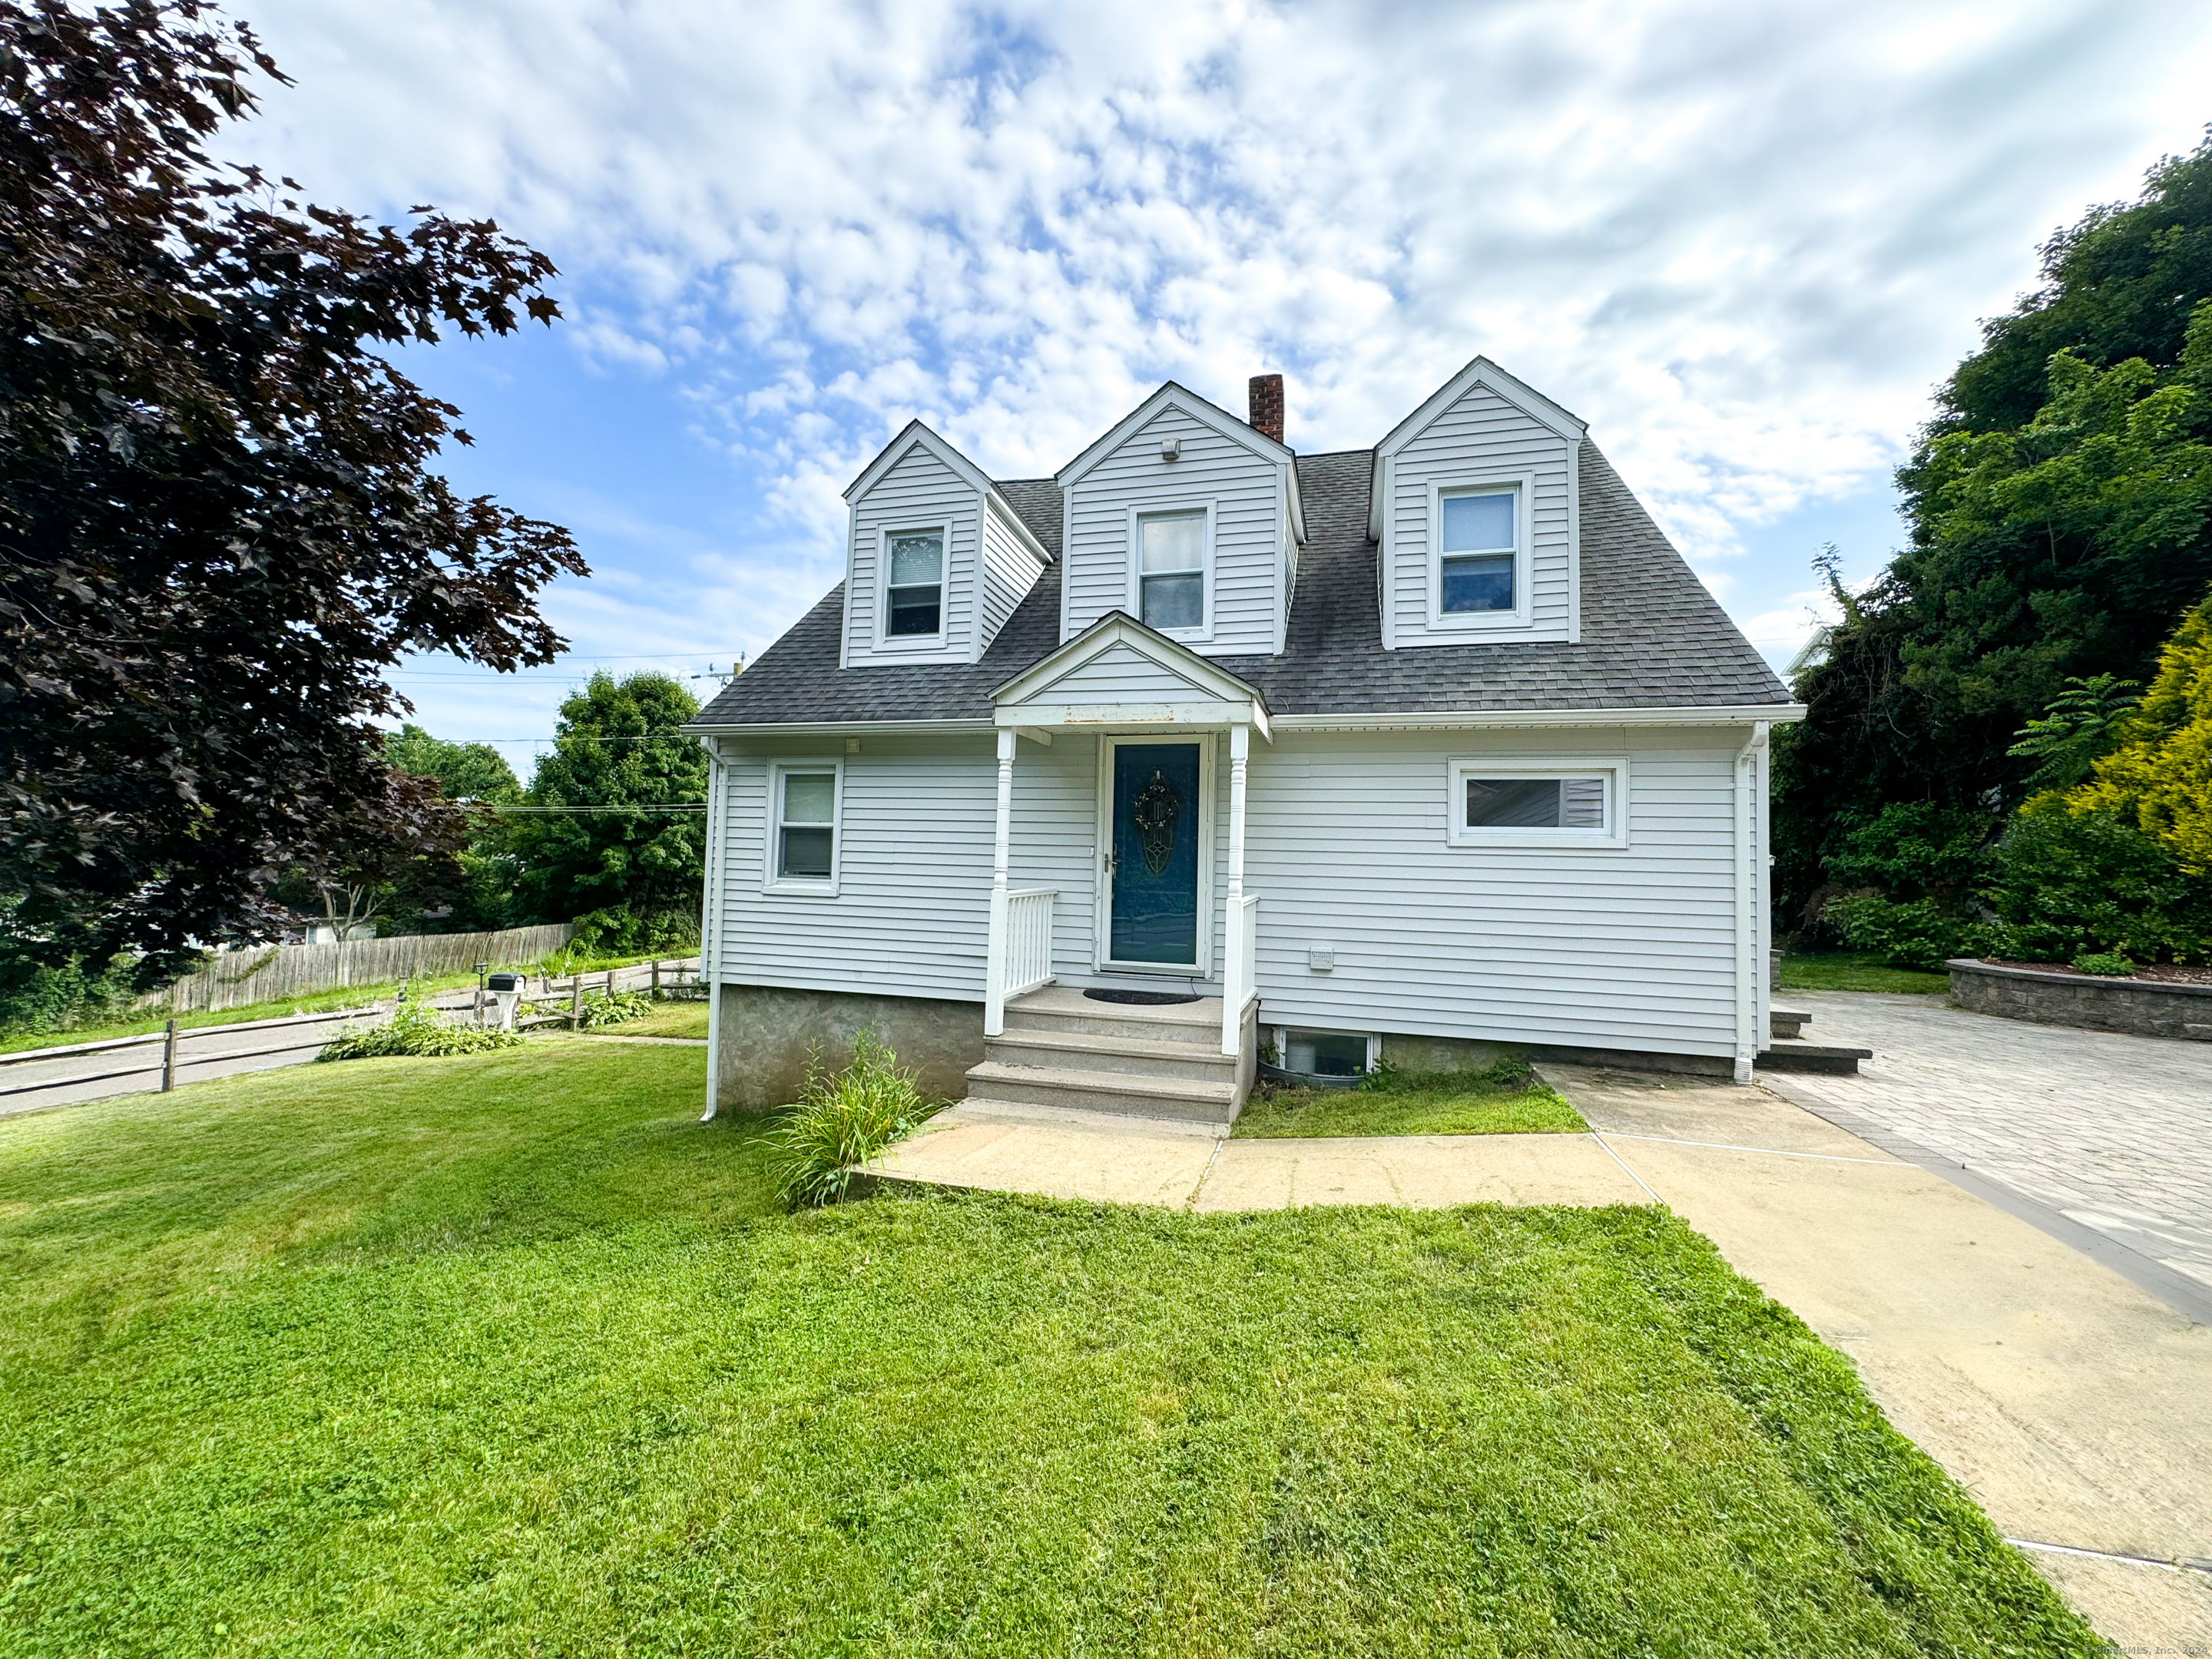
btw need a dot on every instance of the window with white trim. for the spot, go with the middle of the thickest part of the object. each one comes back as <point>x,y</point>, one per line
<point>913,584</point>
<point>1478,551</point>
<point>805,849</point>
<point>1171,571</point>
<point>1539,803</point>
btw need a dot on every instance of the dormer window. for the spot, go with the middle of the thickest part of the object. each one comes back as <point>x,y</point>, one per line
<point>1478,539</point>
<point>1171,571</point>
<point>914,588</point>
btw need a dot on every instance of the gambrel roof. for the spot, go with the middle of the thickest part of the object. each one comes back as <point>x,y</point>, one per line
<point>1652,637</point>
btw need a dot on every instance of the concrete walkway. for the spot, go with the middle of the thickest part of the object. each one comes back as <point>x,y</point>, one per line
<point>2071,1402</point>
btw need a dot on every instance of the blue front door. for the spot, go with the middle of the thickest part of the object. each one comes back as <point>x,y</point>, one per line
<point>1155,855</point>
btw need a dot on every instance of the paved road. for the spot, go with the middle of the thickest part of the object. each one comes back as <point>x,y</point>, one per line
<point>2114,1132</point>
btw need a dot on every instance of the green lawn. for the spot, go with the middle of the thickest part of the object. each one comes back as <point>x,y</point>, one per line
<point>1410,1103</point>
<point>1846,970</point>
<point>673,1020</point>
<point>505,1354</point>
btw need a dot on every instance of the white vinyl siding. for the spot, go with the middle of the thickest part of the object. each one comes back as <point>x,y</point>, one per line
<point>1244,492</point>
<point>918,493</point>
<point>1010,570</point>
<point>1118,674</point>
<point>913,859</point>
<point>1348,847</point>
<point>1480,442</point>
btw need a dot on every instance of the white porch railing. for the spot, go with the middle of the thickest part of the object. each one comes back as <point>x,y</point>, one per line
<point>1240,969</point>
<point>1018,956</point>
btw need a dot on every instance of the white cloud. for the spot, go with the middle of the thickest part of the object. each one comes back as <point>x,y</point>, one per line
<point>1741,240</point>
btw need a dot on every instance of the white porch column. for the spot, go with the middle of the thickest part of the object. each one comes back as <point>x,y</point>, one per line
<point>1235,993</point>
<point>994,951</point>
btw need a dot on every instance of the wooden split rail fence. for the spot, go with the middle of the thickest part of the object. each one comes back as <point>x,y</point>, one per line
<point>156,1061</point>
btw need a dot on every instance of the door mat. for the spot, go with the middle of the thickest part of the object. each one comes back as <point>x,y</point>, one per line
<point>1142,999</point>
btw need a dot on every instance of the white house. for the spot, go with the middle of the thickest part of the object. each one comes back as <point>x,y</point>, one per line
<point>1426,751</point>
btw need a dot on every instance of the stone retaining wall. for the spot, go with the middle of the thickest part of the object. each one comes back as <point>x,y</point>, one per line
<point>2138,1006</point>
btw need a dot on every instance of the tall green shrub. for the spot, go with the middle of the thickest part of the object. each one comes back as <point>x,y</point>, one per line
<point>2072,881</point>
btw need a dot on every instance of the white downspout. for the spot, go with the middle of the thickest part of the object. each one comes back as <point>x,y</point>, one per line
<point>1747,965</point>
<point>710,925</point>
<point>994,948</point>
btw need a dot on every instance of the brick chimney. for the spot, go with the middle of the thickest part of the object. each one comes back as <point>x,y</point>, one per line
<point>1266,405</point>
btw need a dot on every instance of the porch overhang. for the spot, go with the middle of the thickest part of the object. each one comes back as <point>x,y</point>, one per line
<point>1120,676</point>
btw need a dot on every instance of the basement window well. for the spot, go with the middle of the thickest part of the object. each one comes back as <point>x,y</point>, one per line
<point>1326,1054</point>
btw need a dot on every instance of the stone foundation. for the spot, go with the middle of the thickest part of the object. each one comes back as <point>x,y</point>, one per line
<point>765,1032</point>
<point>1436,1054</point>
<point>2138,1006</point>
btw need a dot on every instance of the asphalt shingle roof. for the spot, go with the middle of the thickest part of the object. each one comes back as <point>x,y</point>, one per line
<point>1652,636</point>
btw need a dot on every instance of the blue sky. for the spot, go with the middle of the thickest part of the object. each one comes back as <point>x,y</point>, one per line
<point>1742,240</point>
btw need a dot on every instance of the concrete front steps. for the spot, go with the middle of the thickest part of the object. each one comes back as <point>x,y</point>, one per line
<point>1061,1050</point>
<point>1787,1050</point>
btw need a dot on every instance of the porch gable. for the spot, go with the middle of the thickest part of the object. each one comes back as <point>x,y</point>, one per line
<point>1120,672</point>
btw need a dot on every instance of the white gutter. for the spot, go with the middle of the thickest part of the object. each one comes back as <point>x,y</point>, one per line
<point>1457,718</point>
<point>1747,965</point>
<point>1781,713</point>
<point>710,926</point>
<point>833,728</point>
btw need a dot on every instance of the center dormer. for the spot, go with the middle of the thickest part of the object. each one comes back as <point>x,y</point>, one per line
<point>1188,520</point>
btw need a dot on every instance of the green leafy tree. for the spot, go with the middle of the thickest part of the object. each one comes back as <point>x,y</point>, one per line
<point>2059,508</point>
<point>465,772</point>
<point>220,522</point>
<point>610,856</point>
<point>480,894</point>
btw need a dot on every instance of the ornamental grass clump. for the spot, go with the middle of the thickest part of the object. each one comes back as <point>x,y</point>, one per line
<point>842,1120</point>
<point>417,1027</point>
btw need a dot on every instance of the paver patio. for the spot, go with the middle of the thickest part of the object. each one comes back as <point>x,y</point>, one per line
<point>2113,1132</point>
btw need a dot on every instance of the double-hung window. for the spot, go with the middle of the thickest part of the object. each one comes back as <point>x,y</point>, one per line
<point>913,586</point>
<point>1171,571</point>
<point>1576,803</point>
<point>804,804</point>
<point>1478,546</point>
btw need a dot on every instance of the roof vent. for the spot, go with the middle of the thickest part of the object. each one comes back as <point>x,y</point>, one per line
<point>1170,449</point>
<point>1266,405</point>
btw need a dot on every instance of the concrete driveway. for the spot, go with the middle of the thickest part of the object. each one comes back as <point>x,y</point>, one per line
<point>2113,1133</point>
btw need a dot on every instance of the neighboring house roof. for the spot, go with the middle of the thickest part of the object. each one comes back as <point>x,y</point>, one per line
<point>1652,636</point>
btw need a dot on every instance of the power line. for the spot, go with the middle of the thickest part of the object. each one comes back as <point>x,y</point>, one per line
<point>641,806</point>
